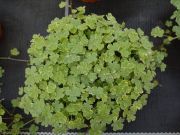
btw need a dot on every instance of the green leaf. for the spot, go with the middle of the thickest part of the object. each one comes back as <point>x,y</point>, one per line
<point>92,77</point>
<point>163,67</point>
<point>15,102</point>
<point>62,4</point>
<point>73,93</point>
<point>157,32</point>
<point>70,58</point>
<point>59,93</point>
<point>95,42</point>
<point>16,128</point>
<point>133,35</point>
<point>3,127</point>
<point>117,125</point>
<point>60,117</point>
<point>176,3</point>
<point>169,23</point>
<point>14,52</point>
<point>140,32</point>
<point>73,108</point>
<point>176,29</point>
<point>87,111</point>
<point>2,112</point>
<point>51,87</point>
<point>91,57</point>
<point>17,117</point>
<point>33,129</point>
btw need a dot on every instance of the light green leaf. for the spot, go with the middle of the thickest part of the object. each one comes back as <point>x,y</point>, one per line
<point>33,129</point>
<point>157,32</point>
<point>62,4</point>
<point>14,52</point>
<point>176,3</point>
<point>117,125</point>
<point>176,29</point>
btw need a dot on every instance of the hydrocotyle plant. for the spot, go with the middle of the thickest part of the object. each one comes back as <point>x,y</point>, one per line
<point>89,72</point>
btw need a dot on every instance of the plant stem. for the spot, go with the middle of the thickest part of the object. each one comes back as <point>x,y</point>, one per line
<point>67,8</point>
<point>175,38</point>
<point>28,122</point>
<point>13,59</point>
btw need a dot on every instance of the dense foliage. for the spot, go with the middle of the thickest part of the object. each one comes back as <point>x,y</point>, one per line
<point>89,72</point>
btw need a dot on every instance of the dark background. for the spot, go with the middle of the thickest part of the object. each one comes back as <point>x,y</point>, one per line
<point>22,18</point>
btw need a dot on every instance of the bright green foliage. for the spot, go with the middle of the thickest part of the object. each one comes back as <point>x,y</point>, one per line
<point>176,17</point>
<point>14,52</point>
<point>89,69</point>
<point>176,3</point>
<point>62,4</point>
<point>169,23</point>
<point>33,129</point>
<point>157,32</point>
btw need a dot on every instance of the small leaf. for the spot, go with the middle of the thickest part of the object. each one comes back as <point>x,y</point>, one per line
<point>17,117</point>
<point>14,52</point>
<point>157,32</point>
<point>2,112</point>
<point>169,23</point>
<point>62,4</point>
<point>33,129</point>
<point>176,29</point>
<point>117,125</point>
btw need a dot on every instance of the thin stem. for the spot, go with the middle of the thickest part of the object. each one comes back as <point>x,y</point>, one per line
<point>28,122</point>
<point>173,38</point>
<point>13,59</point>
<point>67,8</point>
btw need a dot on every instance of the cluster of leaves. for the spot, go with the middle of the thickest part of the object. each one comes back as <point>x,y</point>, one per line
<point>175,17</point>
<point>173,25</point>
<point>11,122</point>
<point>89,72</point>
<point>14,52</point>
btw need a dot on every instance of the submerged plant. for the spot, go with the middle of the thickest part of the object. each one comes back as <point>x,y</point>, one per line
<point>89,72</point>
